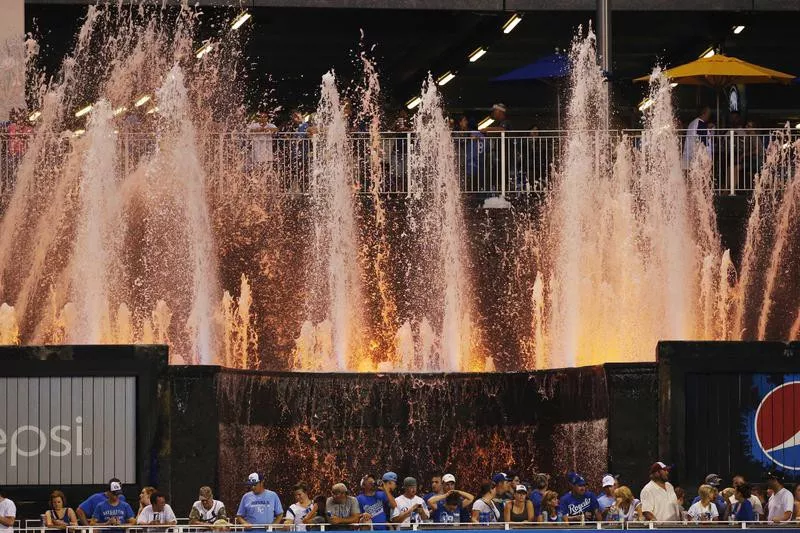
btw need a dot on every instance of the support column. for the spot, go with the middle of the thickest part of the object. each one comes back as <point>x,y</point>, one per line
<point>604,50</point>
<point>12,56</point>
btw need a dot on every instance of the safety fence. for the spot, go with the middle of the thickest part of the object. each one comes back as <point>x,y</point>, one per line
<point>34,526</point>
<point>507,163</point>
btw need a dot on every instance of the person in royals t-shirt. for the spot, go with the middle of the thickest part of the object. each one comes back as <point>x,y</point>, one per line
<point>374,502</point>
<point>439,506</point>
<point>259,506</point>
<point>410,507</point>
<point>579,504</point>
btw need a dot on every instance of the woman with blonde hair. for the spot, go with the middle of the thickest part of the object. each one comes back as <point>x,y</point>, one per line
<point>59,515</point>
<point>550,507</point>
<point>625,507</point>
<point>704,510</point>
<point>144,499</point>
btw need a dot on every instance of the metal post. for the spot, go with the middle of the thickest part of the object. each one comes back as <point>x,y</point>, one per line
<point>408,163</point>
<point>731,159</point>
<point>604,51</point>
<point>502,164</point>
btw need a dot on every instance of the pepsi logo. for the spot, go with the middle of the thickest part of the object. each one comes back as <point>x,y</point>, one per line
<point>777,425</point>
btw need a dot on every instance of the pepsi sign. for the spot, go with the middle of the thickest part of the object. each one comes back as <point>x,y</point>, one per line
<point>774,427</point>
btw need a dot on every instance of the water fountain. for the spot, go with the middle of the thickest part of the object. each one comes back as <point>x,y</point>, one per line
<point>133,230</point>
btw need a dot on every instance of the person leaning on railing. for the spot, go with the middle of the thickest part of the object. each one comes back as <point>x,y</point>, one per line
<point>158,512</point>
<point>8,512</point>
<point>59,515</point>
<point>86,509</point>
<point>206,510</point>
<point>114,511</point>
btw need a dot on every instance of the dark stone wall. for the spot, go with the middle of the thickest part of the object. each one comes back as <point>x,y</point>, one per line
<point>632,421</point>
<point>326,428</point>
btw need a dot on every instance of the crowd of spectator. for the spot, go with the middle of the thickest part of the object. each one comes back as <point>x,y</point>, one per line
<point>388,503</point>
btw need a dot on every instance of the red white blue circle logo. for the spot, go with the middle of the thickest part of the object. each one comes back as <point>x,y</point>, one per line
<point>777,425</point>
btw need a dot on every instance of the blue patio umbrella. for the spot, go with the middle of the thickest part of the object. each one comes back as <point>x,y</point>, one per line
<point>549,68</point>
<point>553,66</point>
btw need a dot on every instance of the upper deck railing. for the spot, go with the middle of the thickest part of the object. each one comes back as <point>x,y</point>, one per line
<point>507,163</point>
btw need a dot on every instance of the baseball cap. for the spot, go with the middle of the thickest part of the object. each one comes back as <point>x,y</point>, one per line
<point>609,480</point>
<point>774,474</point>
<point>500,477</point>
<point>115,487</point>
<point>409,482</point>
<point>389,476</point>
<point>658,465</point>
<point>448,478</point>
<point>714,480</point>
<point>521,488</point>
<point>499,107</point>
<point>254,479</point>
<point>339,487</point>
<point>575,478</point>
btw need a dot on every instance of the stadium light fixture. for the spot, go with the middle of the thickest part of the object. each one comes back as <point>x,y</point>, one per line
<point>646,103</point>
<point>243,17</point>
<point>710,52</point>
<point>203,50</point>
<point>477,54</point>
<point>509,26</point>
<point>485,123</point>
<point>83,111</point>
<point>142,100</point>
<point>34,116</point>
<point>673,84</point>
<point>738,29</point>
<point>445,78</point>
<point>414,102</point>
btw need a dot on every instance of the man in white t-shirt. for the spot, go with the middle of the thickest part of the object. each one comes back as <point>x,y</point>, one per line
<point>781,505</point>
<point>659,502</point>
<point>8,512</point>
<point>410,507</point>
<point>261,132</point>
<point>758,509</point>
<point>157,513</point>
<point>207,510</point>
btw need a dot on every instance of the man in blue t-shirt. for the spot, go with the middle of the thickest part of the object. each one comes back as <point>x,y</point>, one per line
<point>578,504</point>
<point>113,511</point>
<point>441,511</point>
<point>86,509</point>
<point>607,498</point>
<point>259,506</point>
<point>374,502</point>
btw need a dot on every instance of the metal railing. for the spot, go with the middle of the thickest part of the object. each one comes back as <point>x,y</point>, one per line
<point>507,163</point>
<point>35,526</point>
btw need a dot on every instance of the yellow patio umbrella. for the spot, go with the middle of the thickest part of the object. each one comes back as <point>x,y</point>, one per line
<point>720,71</point>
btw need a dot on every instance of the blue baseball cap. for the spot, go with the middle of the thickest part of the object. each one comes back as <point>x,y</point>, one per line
<point>500,477</point>
<point>575,478</point>
<point>389,476</point>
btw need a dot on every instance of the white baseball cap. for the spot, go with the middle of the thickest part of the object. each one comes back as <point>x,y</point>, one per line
<point>115,487</point>
<point>609,480</point>
<point>522,488</point>
<point>448,478</point>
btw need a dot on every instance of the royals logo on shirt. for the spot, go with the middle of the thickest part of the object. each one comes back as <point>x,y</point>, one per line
<point>773,429</point>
